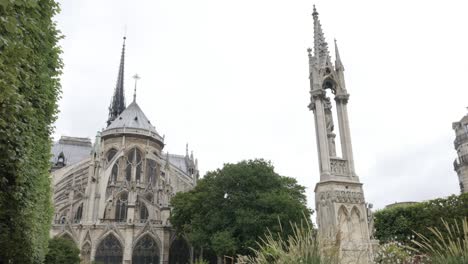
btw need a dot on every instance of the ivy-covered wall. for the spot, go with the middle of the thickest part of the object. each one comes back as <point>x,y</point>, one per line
<point>398,223</point>
<point>29,88</point>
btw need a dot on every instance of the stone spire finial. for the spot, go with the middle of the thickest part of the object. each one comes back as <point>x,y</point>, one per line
<point>186,149</point>
<point>320,44</point>
<point>118,100</point>
<point>136,77</point>
<point>338,63</point>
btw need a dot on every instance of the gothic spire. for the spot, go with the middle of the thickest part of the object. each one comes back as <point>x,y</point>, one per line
<point>320,44</point>
<point>338,63</point>
<point>118,100</point>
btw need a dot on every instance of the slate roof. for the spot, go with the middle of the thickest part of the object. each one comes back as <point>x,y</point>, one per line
<point>74,149</point>
<point>132,117</point>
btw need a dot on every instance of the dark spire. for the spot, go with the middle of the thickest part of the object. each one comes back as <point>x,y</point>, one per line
<point>118,100</point>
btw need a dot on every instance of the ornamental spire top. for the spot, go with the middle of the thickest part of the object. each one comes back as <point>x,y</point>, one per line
<point>338,63</point>
<point>118,100</point>
<point>320,44</point>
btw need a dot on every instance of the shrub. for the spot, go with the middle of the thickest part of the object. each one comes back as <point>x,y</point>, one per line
<point>62,250</point>
<point>301,247</point>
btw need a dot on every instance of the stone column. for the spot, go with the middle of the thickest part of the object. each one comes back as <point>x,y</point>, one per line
<point>345,134</point>
<point>321,131</point>
<point>166,244</point>
<point>128,247</point>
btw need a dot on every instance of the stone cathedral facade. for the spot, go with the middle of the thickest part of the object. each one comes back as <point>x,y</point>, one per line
<point>343,216</point>
<point>112,198</point>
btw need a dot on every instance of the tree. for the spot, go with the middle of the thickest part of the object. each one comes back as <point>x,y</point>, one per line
<point>29,89</point>
<point>400,223</point>
<point>231,207</point>
<point>62,250</point>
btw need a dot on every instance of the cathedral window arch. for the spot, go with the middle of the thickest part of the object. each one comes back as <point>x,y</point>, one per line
<point>78,214</point>
<point>114,172</point>
<point>146,251</point>
<point>151,171</point>
<point>121,208</point>
<point>134,164</point>
<point>143,213</point>
<point>111,154</point>
<point>109,250</point>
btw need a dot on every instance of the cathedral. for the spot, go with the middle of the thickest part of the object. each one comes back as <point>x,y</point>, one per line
<point>343,217</point>
<point>112,197</point>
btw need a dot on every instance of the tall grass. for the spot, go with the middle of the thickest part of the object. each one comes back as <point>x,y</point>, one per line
<point>449,246</point>
<point>300,247</point>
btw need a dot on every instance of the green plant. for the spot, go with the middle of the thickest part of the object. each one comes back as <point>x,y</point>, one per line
<point>62,250</point>
<point>201,261</point>
<point>391,253</point>
<point>399,223</point>
<point>231,207</point>
<point>302,246</point>
<point>29,89</point>
<point>448,246</point>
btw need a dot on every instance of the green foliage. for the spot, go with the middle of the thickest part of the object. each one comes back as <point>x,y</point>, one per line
<point>62,250</point>
<point>231,207</point>
<point>302,246</point>
<point>448,245</point>
<point>398,223</point>
<point>29,89</point>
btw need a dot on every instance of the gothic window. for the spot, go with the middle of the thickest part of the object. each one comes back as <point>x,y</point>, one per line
<point>143,213</point>
<point>110,154</point>
<point>121,208</point>
<point>63,219</point>
<point>151,171</point>
<point>109,251</point>
<point>133,160</point>
<point>146,251</point>
<point>179,252</point>
<point>114,173</point>
<point>78,214</point>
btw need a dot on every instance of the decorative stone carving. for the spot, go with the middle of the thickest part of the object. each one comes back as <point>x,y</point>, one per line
<point>338,166</point>
<point>343,197</point>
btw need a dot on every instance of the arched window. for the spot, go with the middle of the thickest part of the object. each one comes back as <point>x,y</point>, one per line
<point>143,213</point>
<point>133,160</point>
<point>179,252</point>
<point>146,251</point>
<point>110,154</point>
<point>78,214</point>
<point>114,173</point>
<point>109,251</point>
<point>121,208</point>
<point>151,167</point>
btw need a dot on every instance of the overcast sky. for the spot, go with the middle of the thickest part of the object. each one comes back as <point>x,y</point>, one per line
<point>231,79</point>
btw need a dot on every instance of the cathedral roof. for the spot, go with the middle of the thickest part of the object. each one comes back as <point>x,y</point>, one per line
<point>132,117</point>
<point>132,121</point>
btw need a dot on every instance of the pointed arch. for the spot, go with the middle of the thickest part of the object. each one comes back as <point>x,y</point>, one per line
<point>179,251</point>
<point>109,250</point>
<point>78,214</point>
<point>356,225</point>
<point>146,250</point>
<point>67,235</point>
<point>343,223</point>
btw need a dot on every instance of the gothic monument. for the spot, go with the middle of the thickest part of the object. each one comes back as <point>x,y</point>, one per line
<point>342,215</point>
